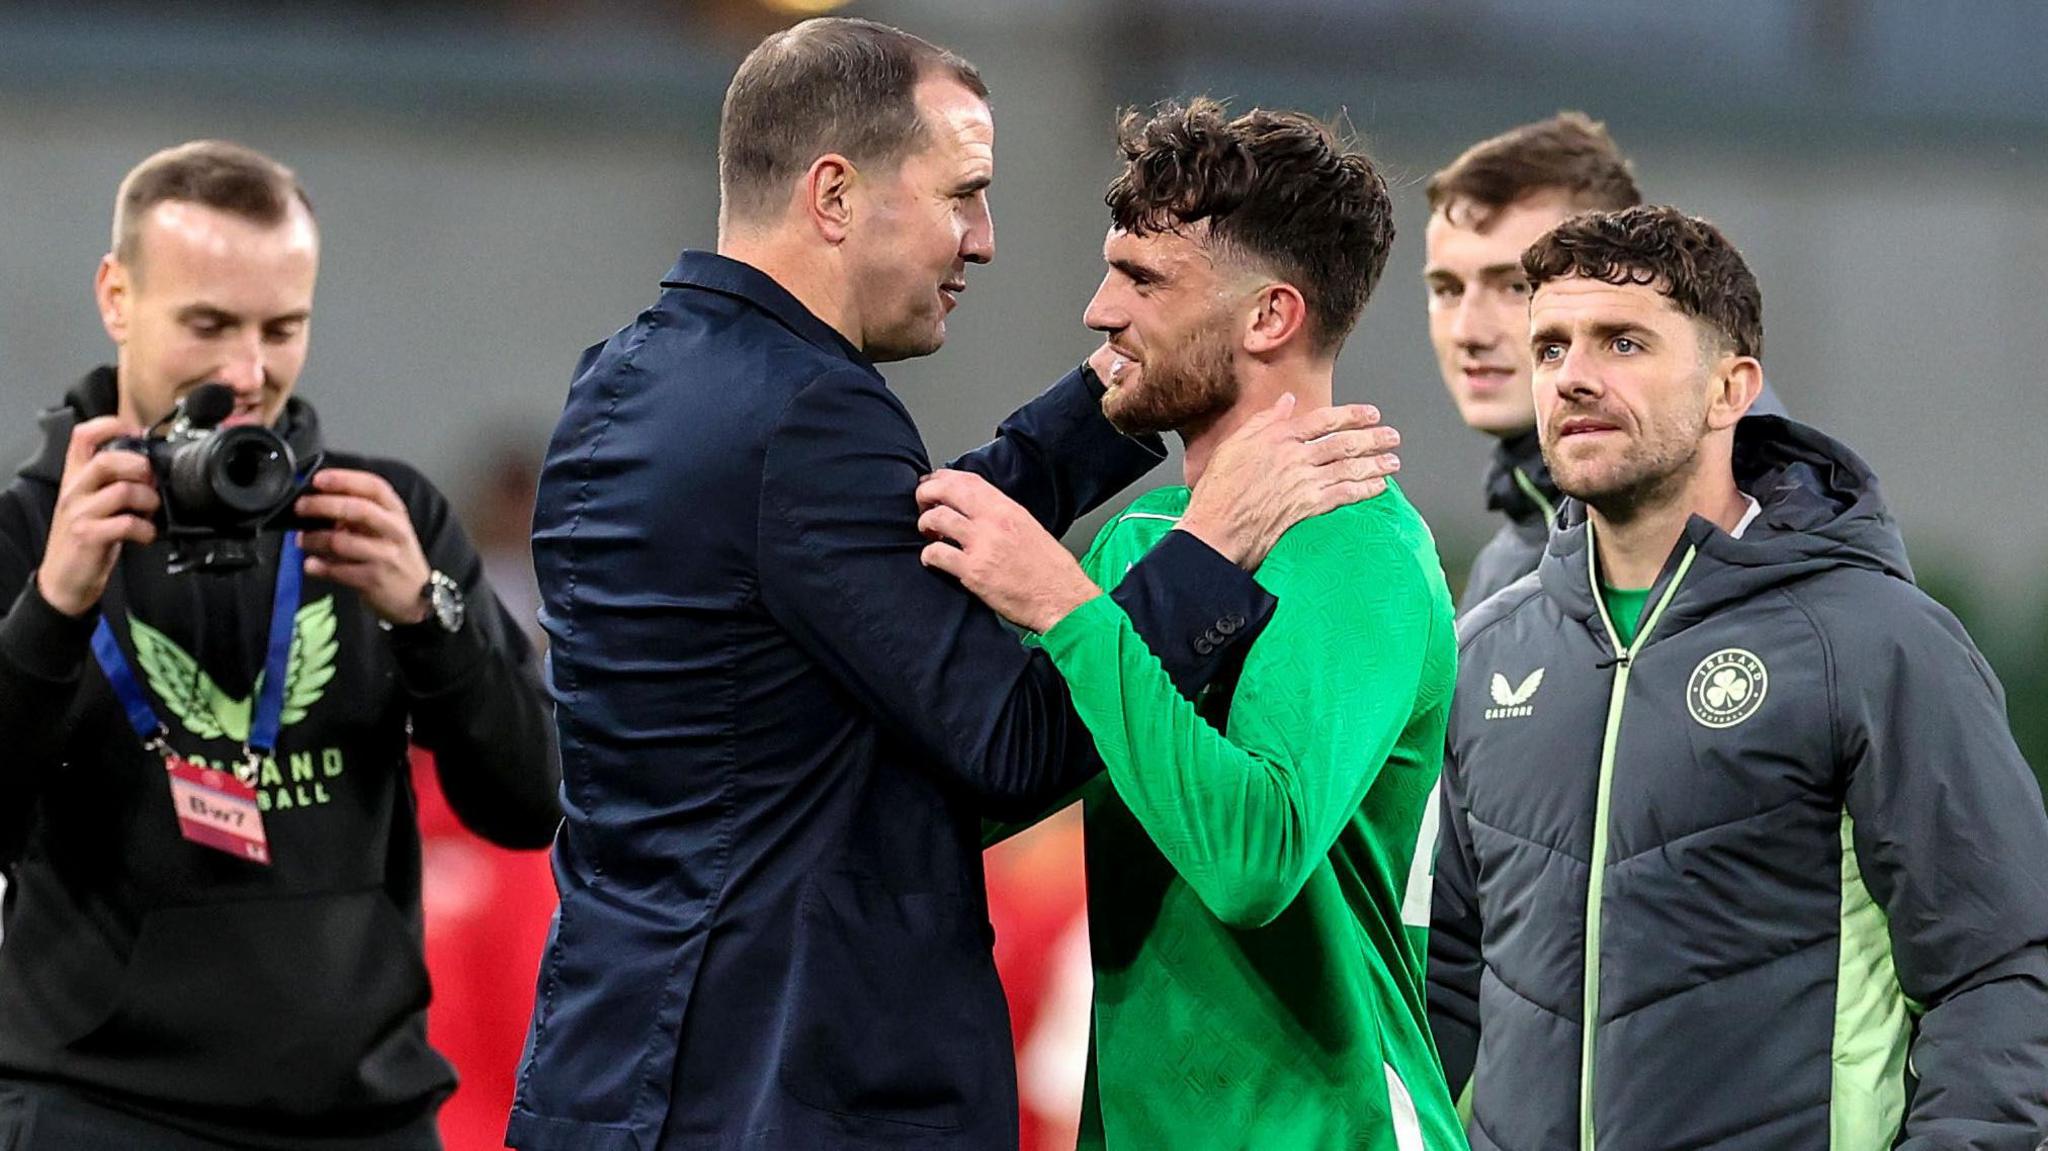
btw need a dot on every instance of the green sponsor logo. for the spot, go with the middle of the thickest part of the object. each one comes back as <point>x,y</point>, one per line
<point>300,781</point>
<point>210,713</point>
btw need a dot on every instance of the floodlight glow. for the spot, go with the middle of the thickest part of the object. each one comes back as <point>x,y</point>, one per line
<point>805,7</point>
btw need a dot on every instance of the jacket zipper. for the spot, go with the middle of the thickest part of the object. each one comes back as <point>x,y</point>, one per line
<point>1609,741</point>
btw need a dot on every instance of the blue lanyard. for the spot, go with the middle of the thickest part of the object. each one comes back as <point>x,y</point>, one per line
<point>268,717</point>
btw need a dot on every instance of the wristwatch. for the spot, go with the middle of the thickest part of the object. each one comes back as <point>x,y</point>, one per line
<point>443,597</point>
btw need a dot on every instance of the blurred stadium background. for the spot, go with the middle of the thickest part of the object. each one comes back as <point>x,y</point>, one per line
<point>502,182</point>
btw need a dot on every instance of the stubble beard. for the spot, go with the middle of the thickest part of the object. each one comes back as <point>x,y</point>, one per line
<point>1185,391</point>
<point>1652,471</point>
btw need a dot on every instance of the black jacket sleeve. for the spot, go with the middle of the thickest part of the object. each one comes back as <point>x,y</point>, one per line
<point>838,557</point>
<point>1952,842</point>
<point>1454,933</point>
<point>475,696</point>
<point>1058,456</point>
<point>42,657</point>
<point>1061,459</point>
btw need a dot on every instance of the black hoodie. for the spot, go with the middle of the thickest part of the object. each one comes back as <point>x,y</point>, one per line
<point>279,1006</point>
<point>1519,487</point>
<point>1795,810</point>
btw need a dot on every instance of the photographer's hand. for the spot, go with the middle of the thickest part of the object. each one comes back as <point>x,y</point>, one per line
<point>372,546</point>
<point>103,499</point>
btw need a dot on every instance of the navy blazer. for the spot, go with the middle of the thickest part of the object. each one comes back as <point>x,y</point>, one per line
<point>780,734</point>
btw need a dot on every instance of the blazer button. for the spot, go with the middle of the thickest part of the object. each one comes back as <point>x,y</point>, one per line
<point>1229,624</point>
<point>1204,646</point>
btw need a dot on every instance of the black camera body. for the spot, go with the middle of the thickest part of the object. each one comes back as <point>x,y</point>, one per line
<point>219,487</point>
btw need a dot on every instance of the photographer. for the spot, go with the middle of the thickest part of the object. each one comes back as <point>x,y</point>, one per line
<point>213,917</point>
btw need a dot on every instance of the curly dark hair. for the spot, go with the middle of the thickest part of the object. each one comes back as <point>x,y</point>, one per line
<point>1279,187</point>
<point>1570,152</point>
<point>1686,259</point>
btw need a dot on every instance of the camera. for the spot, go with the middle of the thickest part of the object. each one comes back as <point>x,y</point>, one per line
<point>220,486</point>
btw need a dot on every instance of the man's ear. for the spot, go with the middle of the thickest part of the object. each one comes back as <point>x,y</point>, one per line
<point>827,195</point>
<point>1279,316</point>
<point>1737,382</point>
<point>112,291</point>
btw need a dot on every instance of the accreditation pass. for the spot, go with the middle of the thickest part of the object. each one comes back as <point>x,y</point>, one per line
<point>217,810</point>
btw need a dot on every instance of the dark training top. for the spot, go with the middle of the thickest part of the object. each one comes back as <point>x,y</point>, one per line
<point>274,1006</point>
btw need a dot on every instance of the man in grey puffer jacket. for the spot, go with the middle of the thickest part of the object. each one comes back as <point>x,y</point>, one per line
<point>1721,780</point>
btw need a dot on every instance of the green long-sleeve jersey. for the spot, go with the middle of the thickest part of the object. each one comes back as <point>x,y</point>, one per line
<point>1258,982</point>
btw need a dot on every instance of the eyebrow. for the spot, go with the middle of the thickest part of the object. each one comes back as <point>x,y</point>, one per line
<point>221,315</point>
<point>1556,334</point>
<point>1140,273</point>
<point>1610,330</point>
<point>1489,272</point>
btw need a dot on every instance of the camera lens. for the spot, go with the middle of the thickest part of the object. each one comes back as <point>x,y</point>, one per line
<point>232,476</point>
<point>251,472</point>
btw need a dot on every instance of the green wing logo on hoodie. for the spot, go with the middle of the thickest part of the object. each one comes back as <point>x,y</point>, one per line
<point>206,710</point>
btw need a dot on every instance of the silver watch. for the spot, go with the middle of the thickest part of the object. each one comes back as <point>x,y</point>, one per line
<point>443,597</point>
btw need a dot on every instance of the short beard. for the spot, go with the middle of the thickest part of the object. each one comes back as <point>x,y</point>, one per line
<point>1648,485</point>
<point>1648,477</point>
<point>1185,391</point>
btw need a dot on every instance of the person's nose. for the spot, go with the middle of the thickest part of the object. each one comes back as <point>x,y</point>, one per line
<point>1473,327</point>
<point>1104,313</point>
<point>978,245</point>
<point>1575,376</point>
<point>245,368</point>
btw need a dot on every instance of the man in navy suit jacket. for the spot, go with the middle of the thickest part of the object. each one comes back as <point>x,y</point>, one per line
<point>779,731</point>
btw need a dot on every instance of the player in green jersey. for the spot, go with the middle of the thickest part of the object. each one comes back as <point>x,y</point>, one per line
<point>1258,854</point>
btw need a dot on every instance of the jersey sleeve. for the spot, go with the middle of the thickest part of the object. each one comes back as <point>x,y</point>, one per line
<point>1326,693</point>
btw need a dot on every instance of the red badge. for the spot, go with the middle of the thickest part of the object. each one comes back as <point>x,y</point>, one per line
<point>217,810</point>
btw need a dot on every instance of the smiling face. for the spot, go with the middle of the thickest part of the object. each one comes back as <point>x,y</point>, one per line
<point>1169,313</point>
<point>1479,306</point>
<point>1623,388</point>
<point>921,224</point>
<point>209,295</point>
